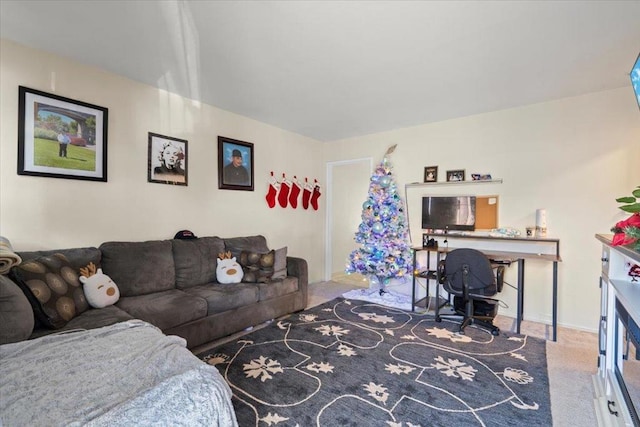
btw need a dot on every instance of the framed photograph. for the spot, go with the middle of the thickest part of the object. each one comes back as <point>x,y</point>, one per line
<point>60,137</point>
<point>167,161</point>
<point>431,174</point>
<point>455,175</point>
<point>235,164</point>
<point>425,240</point>
<point>481,176</point>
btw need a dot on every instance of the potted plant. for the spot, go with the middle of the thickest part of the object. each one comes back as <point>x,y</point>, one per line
<point>627,232</point>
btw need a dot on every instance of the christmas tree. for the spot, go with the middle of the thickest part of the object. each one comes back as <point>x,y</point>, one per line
<point>385,253</point>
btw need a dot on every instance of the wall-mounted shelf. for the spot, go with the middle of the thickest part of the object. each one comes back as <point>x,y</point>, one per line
<point>426,184</point>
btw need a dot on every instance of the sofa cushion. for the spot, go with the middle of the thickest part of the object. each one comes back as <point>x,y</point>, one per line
<point>139,268</point>
<point>280,264</point>
<point>91,319</point>
<point>257,267</point>
<point>277,288</point>
<point>99,317</point>
<point>221,297</point>
<point>16,314</point>
<point>251,243</point>
<point>165,309</point>
<point>77,257</point>
<point>195,260</point>
<point>52,287</point>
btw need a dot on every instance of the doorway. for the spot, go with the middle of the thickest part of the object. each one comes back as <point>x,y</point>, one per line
<point>348,186</point>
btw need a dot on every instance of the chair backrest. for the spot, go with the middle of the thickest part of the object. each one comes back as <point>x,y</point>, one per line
<point>482,280</point>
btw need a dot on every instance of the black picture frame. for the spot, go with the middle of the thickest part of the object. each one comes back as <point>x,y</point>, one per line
<point>167,160</point>
<point>60,137</point>
<point>456,175</point>
<point>240,178</point>
<point>431,174</point>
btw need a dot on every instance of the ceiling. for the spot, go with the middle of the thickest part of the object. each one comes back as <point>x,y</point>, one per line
<point>338,69</point>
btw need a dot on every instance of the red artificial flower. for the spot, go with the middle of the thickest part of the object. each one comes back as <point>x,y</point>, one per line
<point>620,238</point>
<point>632,221</point>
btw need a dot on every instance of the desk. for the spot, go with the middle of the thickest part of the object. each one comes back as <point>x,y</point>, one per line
<point>515,256</point>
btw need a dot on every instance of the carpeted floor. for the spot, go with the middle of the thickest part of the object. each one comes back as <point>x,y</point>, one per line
<point>349,362</point>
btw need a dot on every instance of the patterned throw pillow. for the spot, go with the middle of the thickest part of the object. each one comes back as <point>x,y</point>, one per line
<point>257,267</point>
<point>52,287</point>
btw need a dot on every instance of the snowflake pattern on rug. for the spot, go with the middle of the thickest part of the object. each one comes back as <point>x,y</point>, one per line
<point>454,368</point>
<point>377,391</point>
<point>347,361</point>
<point>399,369</point>
<point>517,376</point>
<point>447,334</point>
<point>376,318</point>
<point>332,330</point>
<point>262,368</point>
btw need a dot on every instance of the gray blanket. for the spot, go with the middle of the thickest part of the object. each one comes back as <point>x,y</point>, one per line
<point>125,374</point>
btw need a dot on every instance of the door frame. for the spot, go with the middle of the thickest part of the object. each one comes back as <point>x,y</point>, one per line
<point>328,249</point>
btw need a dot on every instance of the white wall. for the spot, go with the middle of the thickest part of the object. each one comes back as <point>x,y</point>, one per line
<point>48,213</point>
<point>573,157</point>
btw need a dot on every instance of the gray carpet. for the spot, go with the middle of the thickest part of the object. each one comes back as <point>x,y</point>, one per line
<point>348,362</point>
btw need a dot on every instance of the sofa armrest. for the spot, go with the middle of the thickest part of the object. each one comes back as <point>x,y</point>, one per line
<point>297,267</point>
<point>16,315</point>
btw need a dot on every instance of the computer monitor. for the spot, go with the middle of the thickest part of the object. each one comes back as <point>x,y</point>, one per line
<point>449,213</point>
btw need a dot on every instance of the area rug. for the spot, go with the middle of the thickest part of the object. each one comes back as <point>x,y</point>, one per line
<point>350,362</point>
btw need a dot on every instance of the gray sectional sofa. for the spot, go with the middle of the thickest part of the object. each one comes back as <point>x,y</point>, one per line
<point>172,285</point>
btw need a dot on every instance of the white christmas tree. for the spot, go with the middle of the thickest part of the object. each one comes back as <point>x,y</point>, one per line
<point>385,253</point>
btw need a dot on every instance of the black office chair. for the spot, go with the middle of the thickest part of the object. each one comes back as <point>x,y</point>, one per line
<point>468,275</point>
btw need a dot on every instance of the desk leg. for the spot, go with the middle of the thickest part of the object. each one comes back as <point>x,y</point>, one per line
<point>413,291</point>
<point>426,281</point>
<point>520,294</point>
<point>555,300</point>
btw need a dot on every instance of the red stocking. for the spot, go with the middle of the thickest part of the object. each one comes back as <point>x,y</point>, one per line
<point>295,192</point>
<point>306,194</point>
<point>315,196</point>
<point>271,193</point>
<point>283,195</point>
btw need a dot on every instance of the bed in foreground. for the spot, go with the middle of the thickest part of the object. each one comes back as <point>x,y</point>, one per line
<point>129,373</point>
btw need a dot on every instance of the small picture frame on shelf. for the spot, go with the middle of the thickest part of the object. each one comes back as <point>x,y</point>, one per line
<point>431,174</point>
<point>428,242</point>
<point>455,175</point>
<point>481,177</point>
